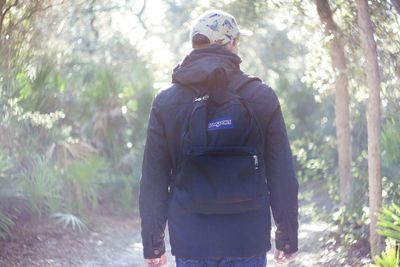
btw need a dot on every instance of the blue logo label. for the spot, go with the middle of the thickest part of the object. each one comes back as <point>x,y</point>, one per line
<point>220,123</point>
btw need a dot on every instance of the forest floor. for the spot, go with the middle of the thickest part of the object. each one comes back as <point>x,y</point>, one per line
<point>115,241</point>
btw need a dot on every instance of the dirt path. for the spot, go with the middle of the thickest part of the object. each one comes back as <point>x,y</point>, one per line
<point>116,242</point>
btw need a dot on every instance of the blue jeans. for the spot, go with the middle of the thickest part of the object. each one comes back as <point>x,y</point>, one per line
<point>260,261</point>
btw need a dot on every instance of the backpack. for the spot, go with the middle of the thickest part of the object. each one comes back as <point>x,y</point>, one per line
<point>221,170</point>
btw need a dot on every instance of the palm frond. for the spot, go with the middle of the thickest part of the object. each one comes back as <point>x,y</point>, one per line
<point>64,153</point>
<point>42,186</point>
<point>389,222</point>
<point>5,225</point>
<point>5,164</point>
<point>388,258</point>
<point>69,220</point>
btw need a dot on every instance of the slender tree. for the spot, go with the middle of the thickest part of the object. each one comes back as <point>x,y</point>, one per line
<point>342,113</point>
<point>373,120</point>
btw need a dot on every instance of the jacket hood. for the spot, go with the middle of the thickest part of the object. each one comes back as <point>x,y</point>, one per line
<point>211,67</point>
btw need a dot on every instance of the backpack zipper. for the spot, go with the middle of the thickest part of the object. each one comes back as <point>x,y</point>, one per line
<point>255,161</point>
<point>205,97</point>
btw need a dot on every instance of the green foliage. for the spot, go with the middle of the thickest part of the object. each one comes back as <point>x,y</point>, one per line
<point>69,220</point>
<point>52,101</point>
<point>102,84</point>
<point>389,222</point>
<point>27,132</point>
<point>390,159</point>
<point>389,227</point>
<point>388,258</point>
<point>352,224</point>
<point>82,183</point>
<point>42,187</point>
<point>39,92</point>
<point>314,157</point>
<point>391,142</point>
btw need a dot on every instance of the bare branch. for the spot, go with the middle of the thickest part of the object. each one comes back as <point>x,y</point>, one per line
<point>93,19</point>
<point>4,13</point>
<point>8,8</point>
<point>139,15</point>
<point>34,10</point>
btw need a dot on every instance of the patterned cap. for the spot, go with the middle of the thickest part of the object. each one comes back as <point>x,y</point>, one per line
<point>219,26</point>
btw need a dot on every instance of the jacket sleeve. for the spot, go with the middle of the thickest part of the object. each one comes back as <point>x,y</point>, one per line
<point>154,183</point>
<point>282,181</point>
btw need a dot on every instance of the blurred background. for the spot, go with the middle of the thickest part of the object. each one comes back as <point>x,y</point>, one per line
<point>77,79</point>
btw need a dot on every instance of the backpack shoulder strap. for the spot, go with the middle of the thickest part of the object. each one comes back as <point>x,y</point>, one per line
<point>241,81</point>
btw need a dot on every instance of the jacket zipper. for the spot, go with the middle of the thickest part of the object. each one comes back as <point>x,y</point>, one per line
<point>255,161</point>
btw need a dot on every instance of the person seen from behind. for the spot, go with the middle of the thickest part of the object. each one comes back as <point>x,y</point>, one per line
<point>217,161</point>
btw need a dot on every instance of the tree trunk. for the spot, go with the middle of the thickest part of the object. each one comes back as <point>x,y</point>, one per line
<point>342,113</point>
<point>373,120</point>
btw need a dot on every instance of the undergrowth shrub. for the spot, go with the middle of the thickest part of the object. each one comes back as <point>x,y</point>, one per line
<point>82,184</point>
<point>6,220</point>
<point>42,186</point>
<point>352,224</point>
<point>118,192</point>
<point>389,227</point>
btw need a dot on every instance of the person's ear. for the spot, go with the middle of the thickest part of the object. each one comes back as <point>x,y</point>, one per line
<point>233,43</point>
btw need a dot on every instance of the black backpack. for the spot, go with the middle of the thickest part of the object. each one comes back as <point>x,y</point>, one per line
<point>221,170</point>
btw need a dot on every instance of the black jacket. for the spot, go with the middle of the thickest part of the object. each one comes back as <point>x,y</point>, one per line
<point>194,235</point>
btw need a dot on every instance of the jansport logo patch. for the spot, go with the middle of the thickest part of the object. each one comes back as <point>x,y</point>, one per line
<point>220,123</point>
